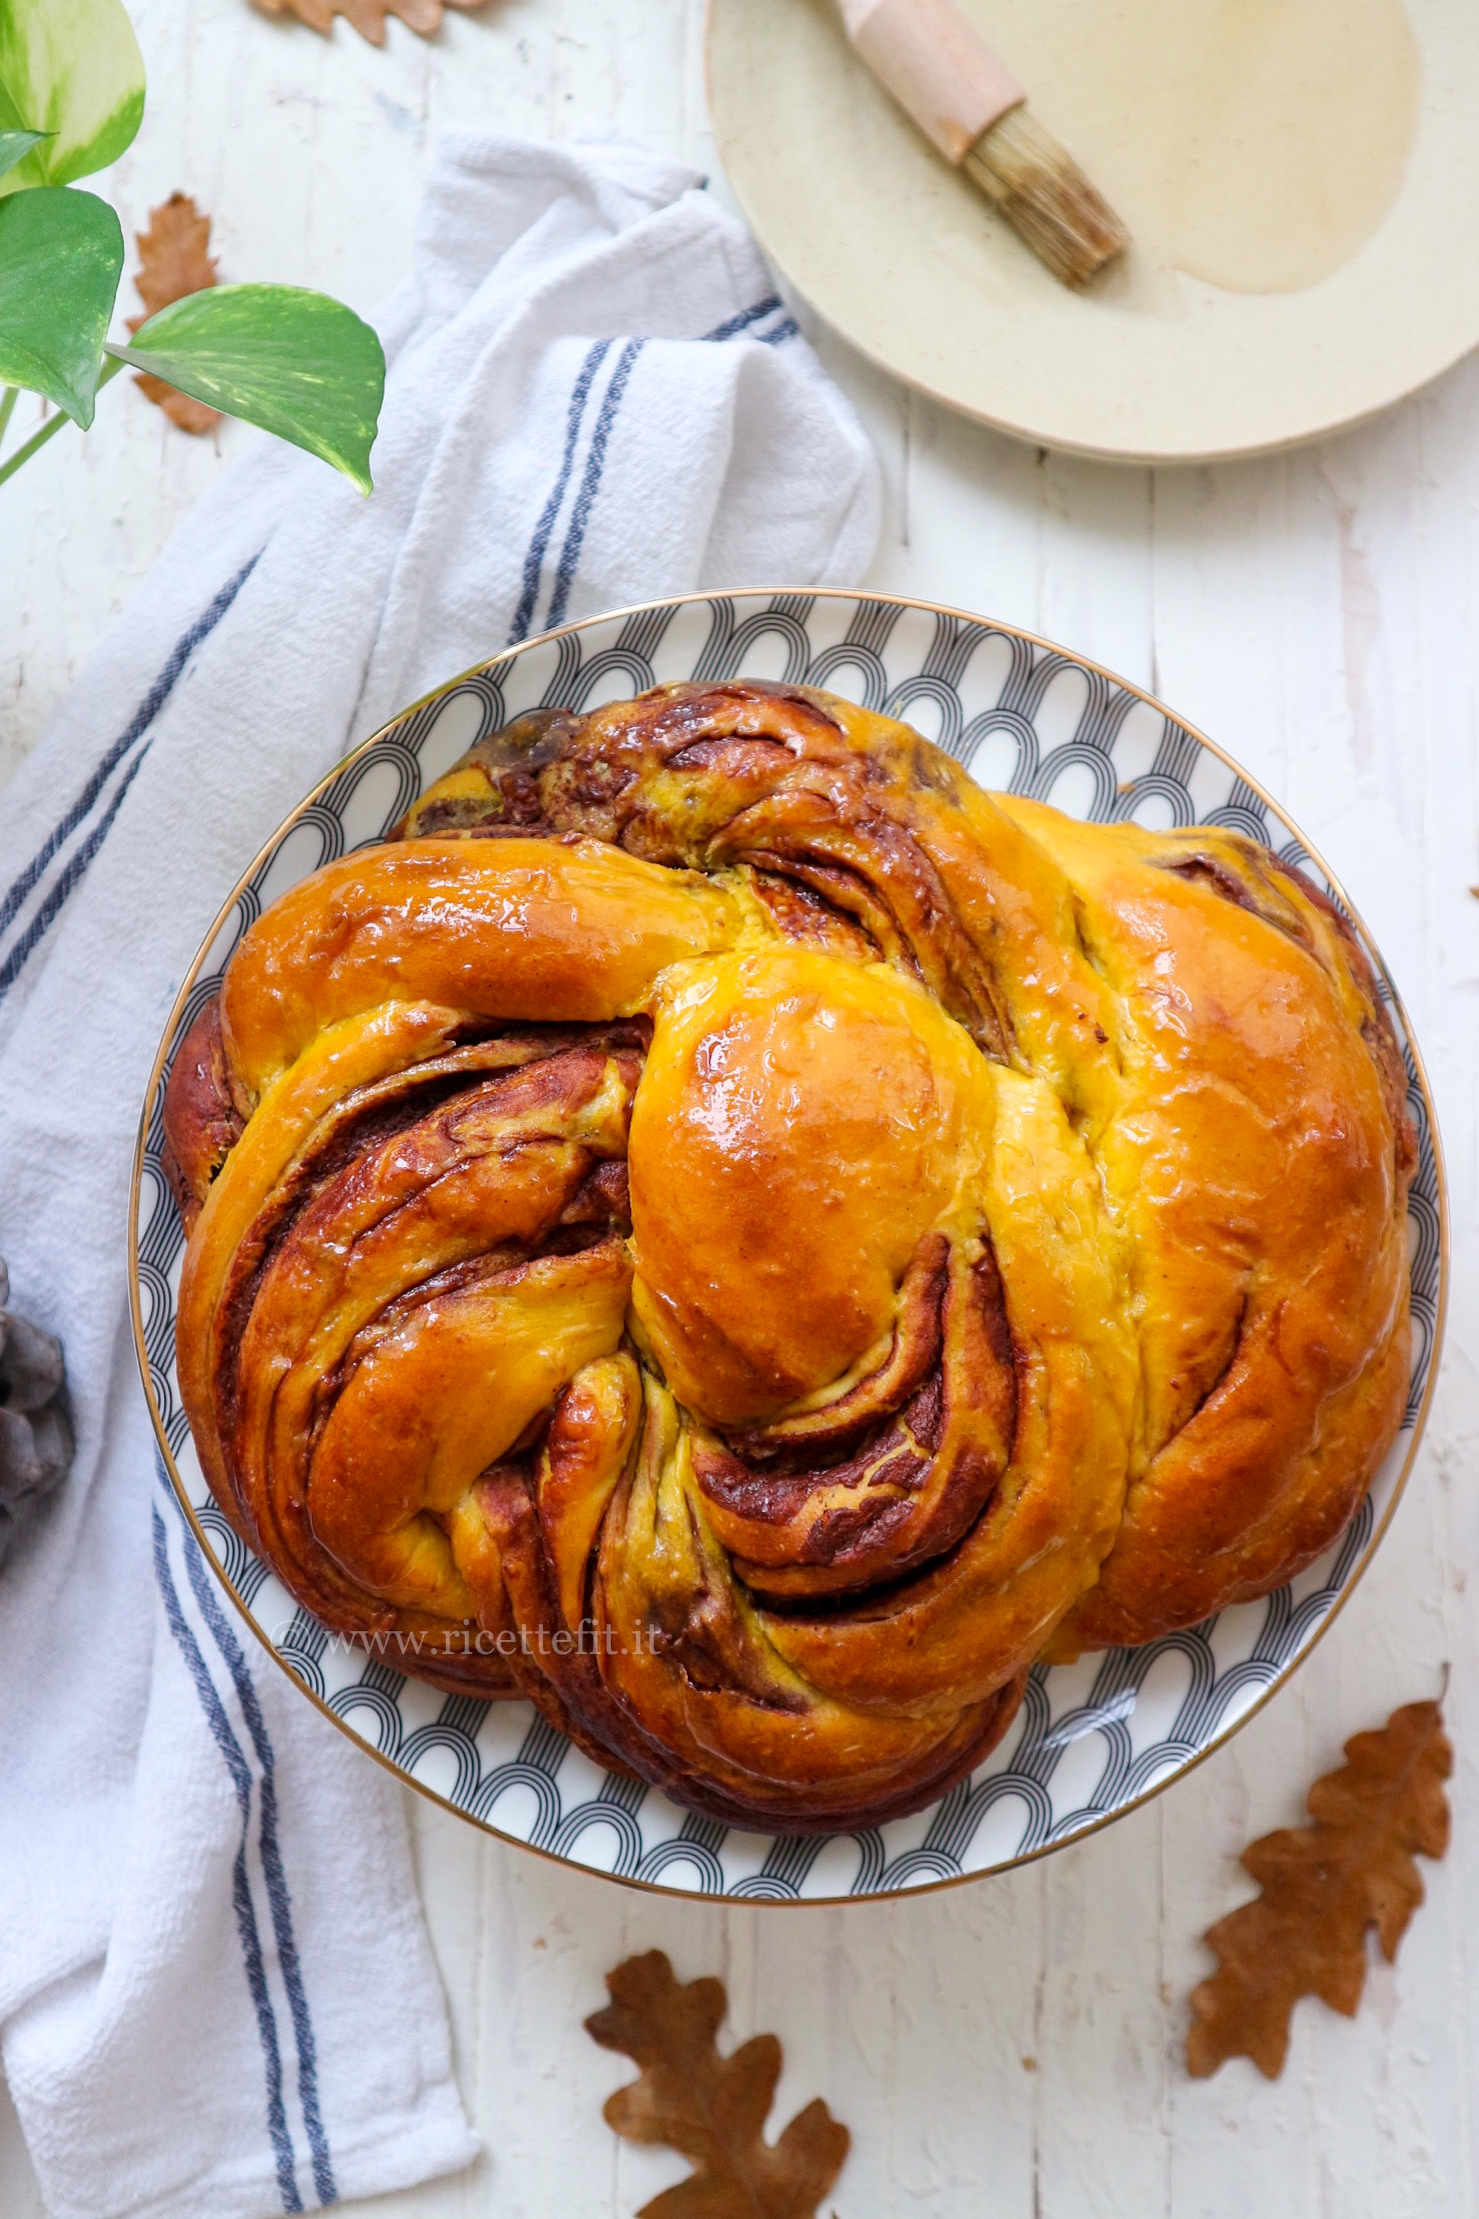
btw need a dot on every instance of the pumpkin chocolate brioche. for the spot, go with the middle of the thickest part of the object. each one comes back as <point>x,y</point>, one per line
<point>730,1229</point>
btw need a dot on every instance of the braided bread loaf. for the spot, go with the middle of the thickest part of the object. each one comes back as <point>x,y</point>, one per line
<point>728,1228</point>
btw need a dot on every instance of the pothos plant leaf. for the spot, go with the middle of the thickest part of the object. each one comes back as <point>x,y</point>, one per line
<point>15,146</point>
<point>71,71</point>
<point>296,363</point>
<point>61,257</point>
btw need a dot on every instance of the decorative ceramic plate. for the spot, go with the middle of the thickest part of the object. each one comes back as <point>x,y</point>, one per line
<point>902,256</point>
<point>1092,1739</point>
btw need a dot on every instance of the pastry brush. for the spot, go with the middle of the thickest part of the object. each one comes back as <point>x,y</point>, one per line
<point>971,107</point>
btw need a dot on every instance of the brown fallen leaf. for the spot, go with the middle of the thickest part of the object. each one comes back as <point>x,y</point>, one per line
<point>368,17</point>
<point>1323,1885</point>
<point>174,261</point>
<point>711,2108</point>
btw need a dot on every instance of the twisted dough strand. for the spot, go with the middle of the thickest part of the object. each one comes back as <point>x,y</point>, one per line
<point>735,1231</point>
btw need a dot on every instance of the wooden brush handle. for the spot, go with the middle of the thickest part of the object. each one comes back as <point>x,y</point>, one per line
<point>937,68</point>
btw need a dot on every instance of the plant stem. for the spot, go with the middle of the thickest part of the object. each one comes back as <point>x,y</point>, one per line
<point>7,408</point>
<point>33,446</point>
<point>49,430</point>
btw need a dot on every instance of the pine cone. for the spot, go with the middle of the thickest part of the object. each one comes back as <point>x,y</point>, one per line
<point>35,1438</point>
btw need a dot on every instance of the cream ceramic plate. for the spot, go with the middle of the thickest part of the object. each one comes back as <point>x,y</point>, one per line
<point>903,258</point>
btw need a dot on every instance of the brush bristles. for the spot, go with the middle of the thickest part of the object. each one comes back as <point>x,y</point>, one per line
<point>1040,189</point>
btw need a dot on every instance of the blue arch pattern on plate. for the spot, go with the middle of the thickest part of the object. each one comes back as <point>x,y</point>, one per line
<point>1091,1739</point>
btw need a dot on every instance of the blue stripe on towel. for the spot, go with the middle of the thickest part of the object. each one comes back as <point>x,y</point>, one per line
<point>734,325</point>
<point>148,709</point>
<point>241,1895</point>
<point>595,463</point>
<point>272,1867</point>
<point>569,563</point>
<point>61,886</point>
<point>549,516</point>
<point>144,716</point>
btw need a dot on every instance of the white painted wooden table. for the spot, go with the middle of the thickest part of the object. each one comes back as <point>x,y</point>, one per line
<point>1010,2049</point>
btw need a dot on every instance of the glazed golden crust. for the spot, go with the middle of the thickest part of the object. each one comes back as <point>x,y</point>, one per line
<point>735,1231</point>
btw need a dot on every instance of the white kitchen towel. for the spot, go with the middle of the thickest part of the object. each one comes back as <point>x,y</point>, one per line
<point>216,1993</point>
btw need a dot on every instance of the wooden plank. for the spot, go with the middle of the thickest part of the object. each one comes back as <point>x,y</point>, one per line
<point>1290,612</point>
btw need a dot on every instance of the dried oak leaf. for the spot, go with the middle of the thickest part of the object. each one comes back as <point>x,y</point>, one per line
<point>1323,1885</point>
<point>174,261</point>
<point>368,17</point>
<point>711,2108</point>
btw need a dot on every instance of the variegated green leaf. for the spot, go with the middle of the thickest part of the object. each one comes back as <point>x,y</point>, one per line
<point>72,71</point>
<point>15,146</point>
<point>61,256</point>
<point>296,363</point>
